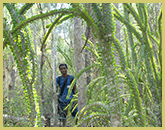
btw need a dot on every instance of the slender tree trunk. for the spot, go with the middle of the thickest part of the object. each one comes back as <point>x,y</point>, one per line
<point>41,65</point>
<point>7,79</point>
<point>87,63</point>
<point>79,62</point>
<point>12,84</point>
<point>12,74</point>
<point>54,66</point>
<point>117,34</point>
<point>41,71</point>
<point>88,35</point>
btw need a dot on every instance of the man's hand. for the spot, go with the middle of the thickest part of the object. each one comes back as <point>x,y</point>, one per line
<point>74,89</point>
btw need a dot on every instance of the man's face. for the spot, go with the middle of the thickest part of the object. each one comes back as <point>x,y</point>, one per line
<point>63,70</point>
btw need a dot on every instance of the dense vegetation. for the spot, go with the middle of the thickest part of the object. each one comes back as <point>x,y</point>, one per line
<point>113,50</point>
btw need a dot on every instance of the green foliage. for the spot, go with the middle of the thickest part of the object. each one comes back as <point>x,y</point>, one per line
<point>19,45</point>
<point>93,106</point>
<point>67,59</point>
<point>91,49</point>
<point>130,37</point>
<point>61,20</point>
<point>50,29</point>
<point>80,12</point>
<point>138,65</point>
<point>78,75</point>
<point>121,53</point>
<point>25,8</point>
<point>92,87</point>
<point>41,16</point>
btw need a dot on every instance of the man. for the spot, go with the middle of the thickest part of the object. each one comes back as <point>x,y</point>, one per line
<point>63,82</point>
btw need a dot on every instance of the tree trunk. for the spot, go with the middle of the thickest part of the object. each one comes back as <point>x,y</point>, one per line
<point>6,79</point>
<point>43,46</point>
<point>108,62</point>
<point>54,67</point>
<point>88,35</point>
<point>117,34</point>
<point>12,84</point>
<point>79,62</point>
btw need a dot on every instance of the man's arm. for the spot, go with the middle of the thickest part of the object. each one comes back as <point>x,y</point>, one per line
<point>56,88</point>
<point>74,89</point>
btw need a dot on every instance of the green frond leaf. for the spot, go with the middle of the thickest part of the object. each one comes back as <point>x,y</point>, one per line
<point>92,116</point>
<point>78,75</point>
<point>135,15</point>
<point>122,19</point>
<point>92,83</point>
<point>25,8</point>
<point>50,29</point>
<point>154,119</point>
<point>61,20</point>
<point>67,59</point>
<point>41,16</point>
<point>86,108</point>
<point>139,63</point>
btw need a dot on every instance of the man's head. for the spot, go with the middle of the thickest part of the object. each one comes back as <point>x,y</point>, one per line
<point>63,68</point>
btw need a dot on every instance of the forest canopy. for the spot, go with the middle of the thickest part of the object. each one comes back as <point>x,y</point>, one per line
<point>114,50</point>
